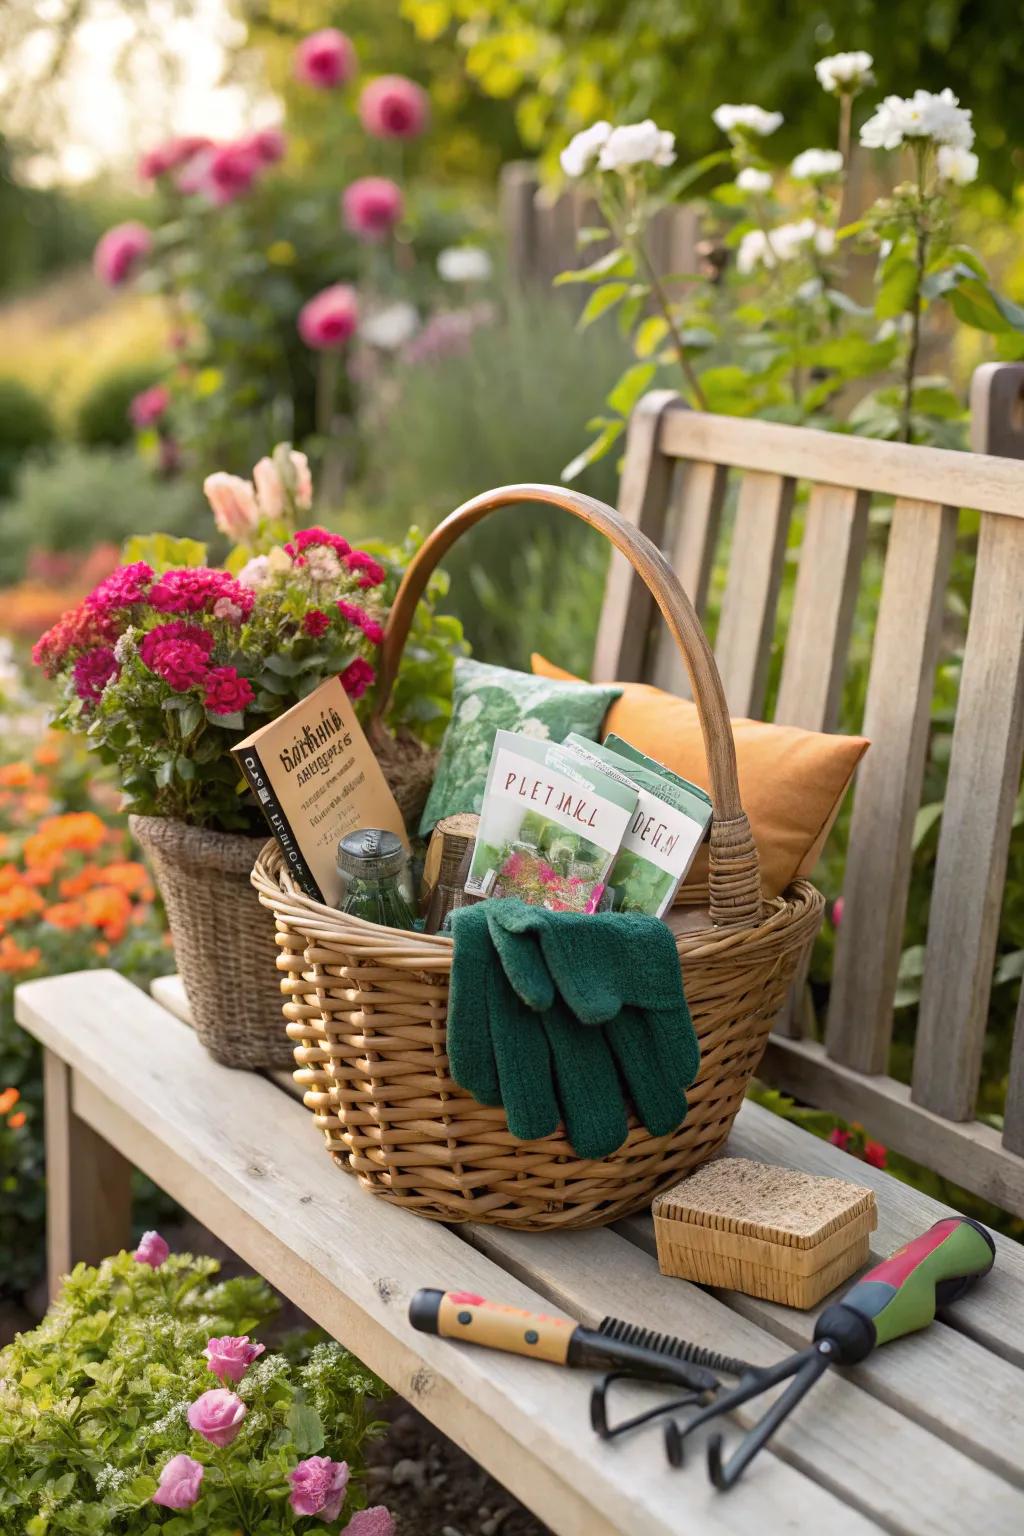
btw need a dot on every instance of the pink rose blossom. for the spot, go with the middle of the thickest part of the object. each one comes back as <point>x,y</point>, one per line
<point>195,589</point>
<point>228,171</point>
<point>152,1250</point>
<point>371,207</point>
<point>393,107</point>
<point>227,692</point>
<point>93,671</point>
<point>328,320</point>
<point>217,1416</point>
<point>318,1487</point>
<point>234,504</point>
<point>375,1521</point>
<point>316,623</point>
<point>170,155</point>
<point>149,405</point>
<point>119,252</point>
<point>325,59</point>
<point>124,586</point>
<point>179,1483</point>
<point>230,1357</point>
<point>357,677</point>
<point>267,144</point>
<point>373,573</point>
<point>837,912</point>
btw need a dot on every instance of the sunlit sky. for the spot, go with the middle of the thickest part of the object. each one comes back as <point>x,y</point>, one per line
<point>109,119</point>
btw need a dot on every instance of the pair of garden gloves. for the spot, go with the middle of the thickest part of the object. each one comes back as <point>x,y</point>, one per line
<point>565,1018</point>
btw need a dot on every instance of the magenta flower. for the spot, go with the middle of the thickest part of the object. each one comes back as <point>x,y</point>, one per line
<point>228,171</point>
<point>182,664</point>
<point>310,536</point>
<point>393,107</point>
<point>837,912</point>
<point>149,405</point>
<point>170,155</point>
<point>352,612</point>
<point>227,692</point>
<point>267,144</point>
<point>119,252</point>
<point>316,623</point>
<point>371,207</point>
<point>230,1357</point>
<point>179,1483</point>
<point>375,1521</point>
<point>325,60</point>
<point>125,585</point>
<point>152,1250</point>
<point>217,1416</point>
<point>318,1487</point>
<point>328,320</point>
<point>196,588</point>
<point>93,671</point>
<point>840,1138</point>
<point>372,572</point>
<point>357,677</point>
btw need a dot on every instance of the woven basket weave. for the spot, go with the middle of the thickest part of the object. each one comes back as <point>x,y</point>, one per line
<point>365,1006</point>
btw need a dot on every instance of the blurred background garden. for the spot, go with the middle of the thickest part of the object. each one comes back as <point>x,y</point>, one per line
<point>338,223</point>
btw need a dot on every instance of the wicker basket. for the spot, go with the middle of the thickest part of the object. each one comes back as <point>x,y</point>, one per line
<point>365,1006</point>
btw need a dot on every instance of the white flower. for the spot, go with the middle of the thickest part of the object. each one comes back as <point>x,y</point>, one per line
<point>637,144</point>
<point>224,608</point>
<point>957,165</point>
<point>752,180</point>
<point>921,116</point>
<point>535,729</point>
<point>746,119</point>
<point>816,164</point>
<point>255,573</point>
<point>760,248</point>
<point>583,148</point>
<point>392,327</point>
<point>845,72</point>
<point>125,646</point>
<point>753,251</point>
<point>464,264</point>
<point>323,563</point>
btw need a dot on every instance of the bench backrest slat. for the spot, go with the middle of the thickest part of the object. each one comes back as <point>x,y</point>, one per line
<point>743,642</point>
<point>695,520</point>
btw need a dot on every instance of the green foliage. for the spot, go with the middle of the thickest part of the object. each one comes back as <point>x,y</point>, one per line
<point>102,420</point>
<point>93,1405</point>
<point>44,228</point>
<point>66,502</point>
<point>25,425</point>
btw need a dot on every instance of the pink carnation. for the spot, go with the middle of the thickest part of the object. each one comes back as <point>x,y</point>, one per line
<point>224,173</point>
<point>373,573</point>
<point>373,631</point>
<point>149,405</point>
<point>217,1416</point>
<point>181,664</point>
<point>318,1487</point>
<point>126,585</point>
<point>357,677</point>
<point>375,1521</point>
<point>267,144</point>
<point>152,1250</point>
<point>316,623</point>
<point>119,252</point>
<point>79,629</point>
<point>170,155</point>
<point>227,692</point>
<point>329,319</point>
<point>230,1357</point>
<point>393,107</point>
<point>178,630</point>
<point>371,207</point>
<point>196,588</point>
<point>325,59</point>
<point>93,671</point>
<point>310,536</point>
<point>179,1483</point>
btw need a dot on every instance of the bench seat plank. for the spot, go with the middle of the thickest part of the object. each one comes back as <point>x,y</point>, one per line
<point>240,1155</point>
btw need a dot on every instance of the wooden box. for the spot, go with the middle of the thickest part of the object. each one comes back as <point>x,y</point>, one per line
<point>769,1232</point>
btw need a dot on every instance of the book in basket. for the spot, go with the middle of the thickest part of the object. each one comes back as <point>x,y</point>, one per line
<point>315,777</point>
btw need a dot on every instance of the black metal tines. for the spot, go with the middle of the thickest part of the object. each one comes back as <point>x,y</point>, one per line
<point>675,1349</point>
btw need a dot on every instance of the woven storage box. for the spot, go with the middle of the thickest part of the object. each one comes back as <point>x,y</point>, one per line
<point>365,1006</point>
<point>769,1232</point>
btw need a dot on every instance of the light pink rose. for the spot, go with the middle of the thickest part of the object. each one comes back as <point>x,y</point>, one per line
<point>393,107</point>
<point>230,1357</point>
<point>179,1483</point>
<point>329,319</point>
<point>325,59</point>
<point>375,1521</point>
<point>119,252</point>
<point>270,491</point>
<point>318,1487</point>
<point>228,172</point>
<point>217,1416</point>
<point>303,480</point>
<point>371,207</point>
<point>234,504</point>
<point>152,1250</point>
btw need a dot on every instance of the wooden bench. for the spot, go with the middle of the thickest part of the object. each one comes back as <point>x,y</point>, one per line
<point>676,481</point>
<point>926,1438</point>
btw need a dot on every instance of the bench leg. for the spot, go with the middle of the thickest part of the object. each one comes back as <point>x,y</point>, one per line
<point>88,1184</point>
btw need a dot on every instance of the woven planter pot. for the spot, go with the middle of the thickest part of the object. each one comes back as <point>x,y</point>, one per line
<point>223,940</point>
<point>366,1006</point>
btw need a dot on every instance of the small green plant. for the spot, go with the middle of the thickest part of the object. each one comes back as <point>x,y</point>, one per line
<point>141,1404</point>
<point>25,425</point>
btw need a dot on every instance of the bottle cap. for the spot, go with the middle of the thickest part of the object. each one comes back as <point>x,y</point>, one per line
<point>370,854</point>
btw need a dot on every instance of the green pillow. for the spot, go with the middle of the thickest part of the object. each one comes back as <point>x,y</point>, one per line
<point>488,699</point>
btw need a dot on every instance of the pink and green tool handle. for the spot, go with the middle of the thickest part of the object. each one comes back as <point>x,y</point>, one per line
<point>903,1293</point>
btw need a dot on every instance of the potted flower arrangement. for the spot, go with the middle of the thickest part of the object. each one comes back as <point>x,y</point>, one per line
<point>170,661</point>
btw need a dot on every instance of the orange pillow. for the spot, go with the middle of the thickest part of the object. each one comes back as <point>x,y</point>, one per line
<point>792,782</point>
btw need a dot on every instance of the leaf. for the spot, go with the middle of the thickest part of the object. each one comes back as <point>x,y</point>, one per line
<point>590,234</point>
<point>163,552</point>
<point>232,722</point>
<point>306,1427</point>
<point>191,716</point>
<point>975,304</point>
<point>630,387</point>
<point>601,300</point>
<point>601,445</point>
<point>650,335</point>
<point>284,666</point>
<point>685,178</point>
<point>925,819</point>
<point>1010,967</point>
<point>899,277</point>
<point>615,263</point>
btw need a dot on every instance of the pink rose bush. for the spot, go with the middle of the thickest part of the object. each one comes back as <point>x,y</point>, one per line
<point>393,107</point>
<point>325,60</point>
<point>318,1487</point>
<point>217,1416</point>
<point>231,1356</point>
<point>371,207</point>
<point>329,319</point>
<point>120,252</point>
<point>180,1483</point>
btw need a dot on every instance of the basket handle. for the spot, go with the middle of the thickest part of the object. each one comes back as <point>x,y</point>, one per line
<point>734,881</point>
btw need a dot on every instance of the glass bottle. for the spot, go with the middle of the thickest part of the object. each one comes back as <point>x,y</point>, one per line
<point>373,867</point>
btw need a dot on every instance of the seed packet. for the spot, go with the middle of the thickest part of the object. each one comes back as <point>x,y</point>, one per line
<point>670,823</point>
<point>550,826</point>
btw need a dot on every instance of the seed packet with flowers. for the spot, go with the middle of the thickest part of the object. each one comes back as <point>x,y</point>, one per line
<point>550,827</point>
<point>169,662</point>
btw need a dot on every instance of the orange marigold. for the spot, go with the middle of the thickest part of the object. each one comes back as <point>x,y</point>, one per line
<point>8,1099</point>
<point>65,914</point>
<point>108,909</point>
<point>18,903</point>
<point>125,874</point>
<point>13,958</point>
<point>81,831</point>
<point>47,754</point>
<point>15,776</point>
<point>17,1121</point>
<point>10,876</point>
